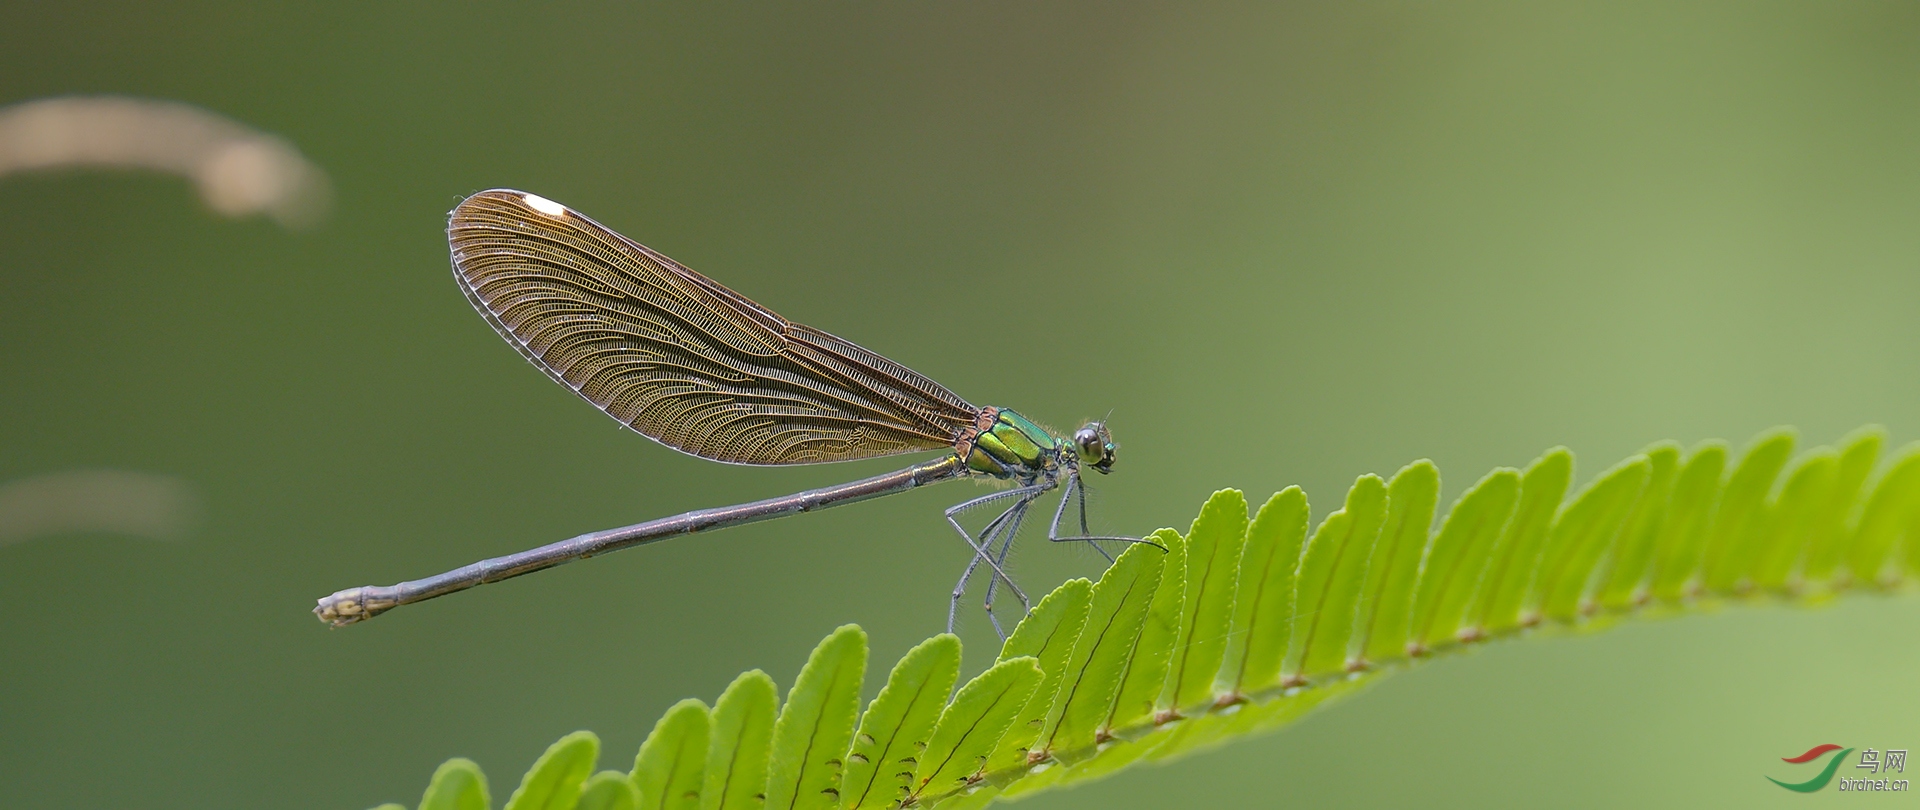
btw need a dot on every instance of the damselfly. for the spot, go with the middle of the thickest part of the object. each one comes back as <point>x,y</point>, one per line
<point>699,368</point>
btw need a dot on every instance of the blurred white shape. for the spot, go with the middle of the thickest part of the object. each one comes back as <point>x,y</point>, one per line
<point>140,504</point>
<point>544,205</point>
<point>240,170</point>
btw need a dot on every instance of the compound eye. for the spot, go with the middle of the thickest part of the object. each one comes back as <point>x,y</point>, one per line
<point>1095,446</point>
<point>1087,441</point>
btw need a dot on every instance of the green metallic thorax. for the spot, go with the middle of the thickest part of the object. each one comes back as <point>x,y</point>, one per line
<point>1013,447</point>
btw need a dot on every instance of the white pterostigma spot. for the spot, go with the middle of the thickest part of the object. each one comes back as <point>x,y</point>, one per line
<point>545,206</point>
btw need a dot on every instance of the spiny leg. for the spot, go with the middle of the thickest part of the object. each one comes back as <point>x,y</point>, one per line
<point>987,537</point>
<point>1081,490</point>
<point>980,552</point>
<point>1053,530</point>
<point>1011,531</point>
<point>1074,487</point>
<point>1015,515</point>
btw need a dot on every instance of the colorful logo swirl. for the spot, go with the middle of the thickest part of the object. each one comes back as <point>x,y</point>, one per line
<point>1826,773</point>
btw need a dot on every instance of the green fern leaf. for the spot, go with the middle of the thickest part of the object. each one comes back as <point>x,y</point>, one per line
<point>1047,635</point>
<point>970,801</point>
<point>1858,452</point>
<point>741,738</point>
<point>1380,633</point>
<point>553,783</point>
<point>1269,624</point>
<point>1332,569</point>
<point>816,726</point>
<point>1741,516</point>
<point>1145,671</point>
<point>671,769</point>
<point>973,724</point>
<point>1888,514</point>
<point>1093,671</point>
<point>1263,608</point>
<point>1583,529</point>
<point>1792,517</point>
<point>1627,568</point>
<point>609,790</point>
<point>1212,572</point>
<point>457,784</point>
<point>1210,731</point>
<point>1689,514</point>
<point>1508,579</point>
<point>898,723</point>
<point>1457,558</point>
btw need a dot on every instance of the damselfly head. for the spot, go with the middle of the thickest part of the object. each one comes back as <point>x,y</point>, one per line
<point>1095,446</point>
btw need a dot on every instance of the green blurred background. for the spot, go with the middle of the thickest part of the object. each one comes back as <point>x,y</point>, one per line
<point>1283,243</point>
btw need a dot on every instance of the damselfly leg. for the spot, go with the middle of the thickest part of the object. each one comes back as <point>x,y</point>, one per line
<point>1076,487</point>
<point>1014,516</point>
<point>1002,530</point>
<point>995,542</point>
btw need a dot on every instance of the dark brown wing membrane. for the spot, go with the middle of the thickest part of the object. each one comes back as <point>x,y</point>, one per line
<point>677,357</point>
